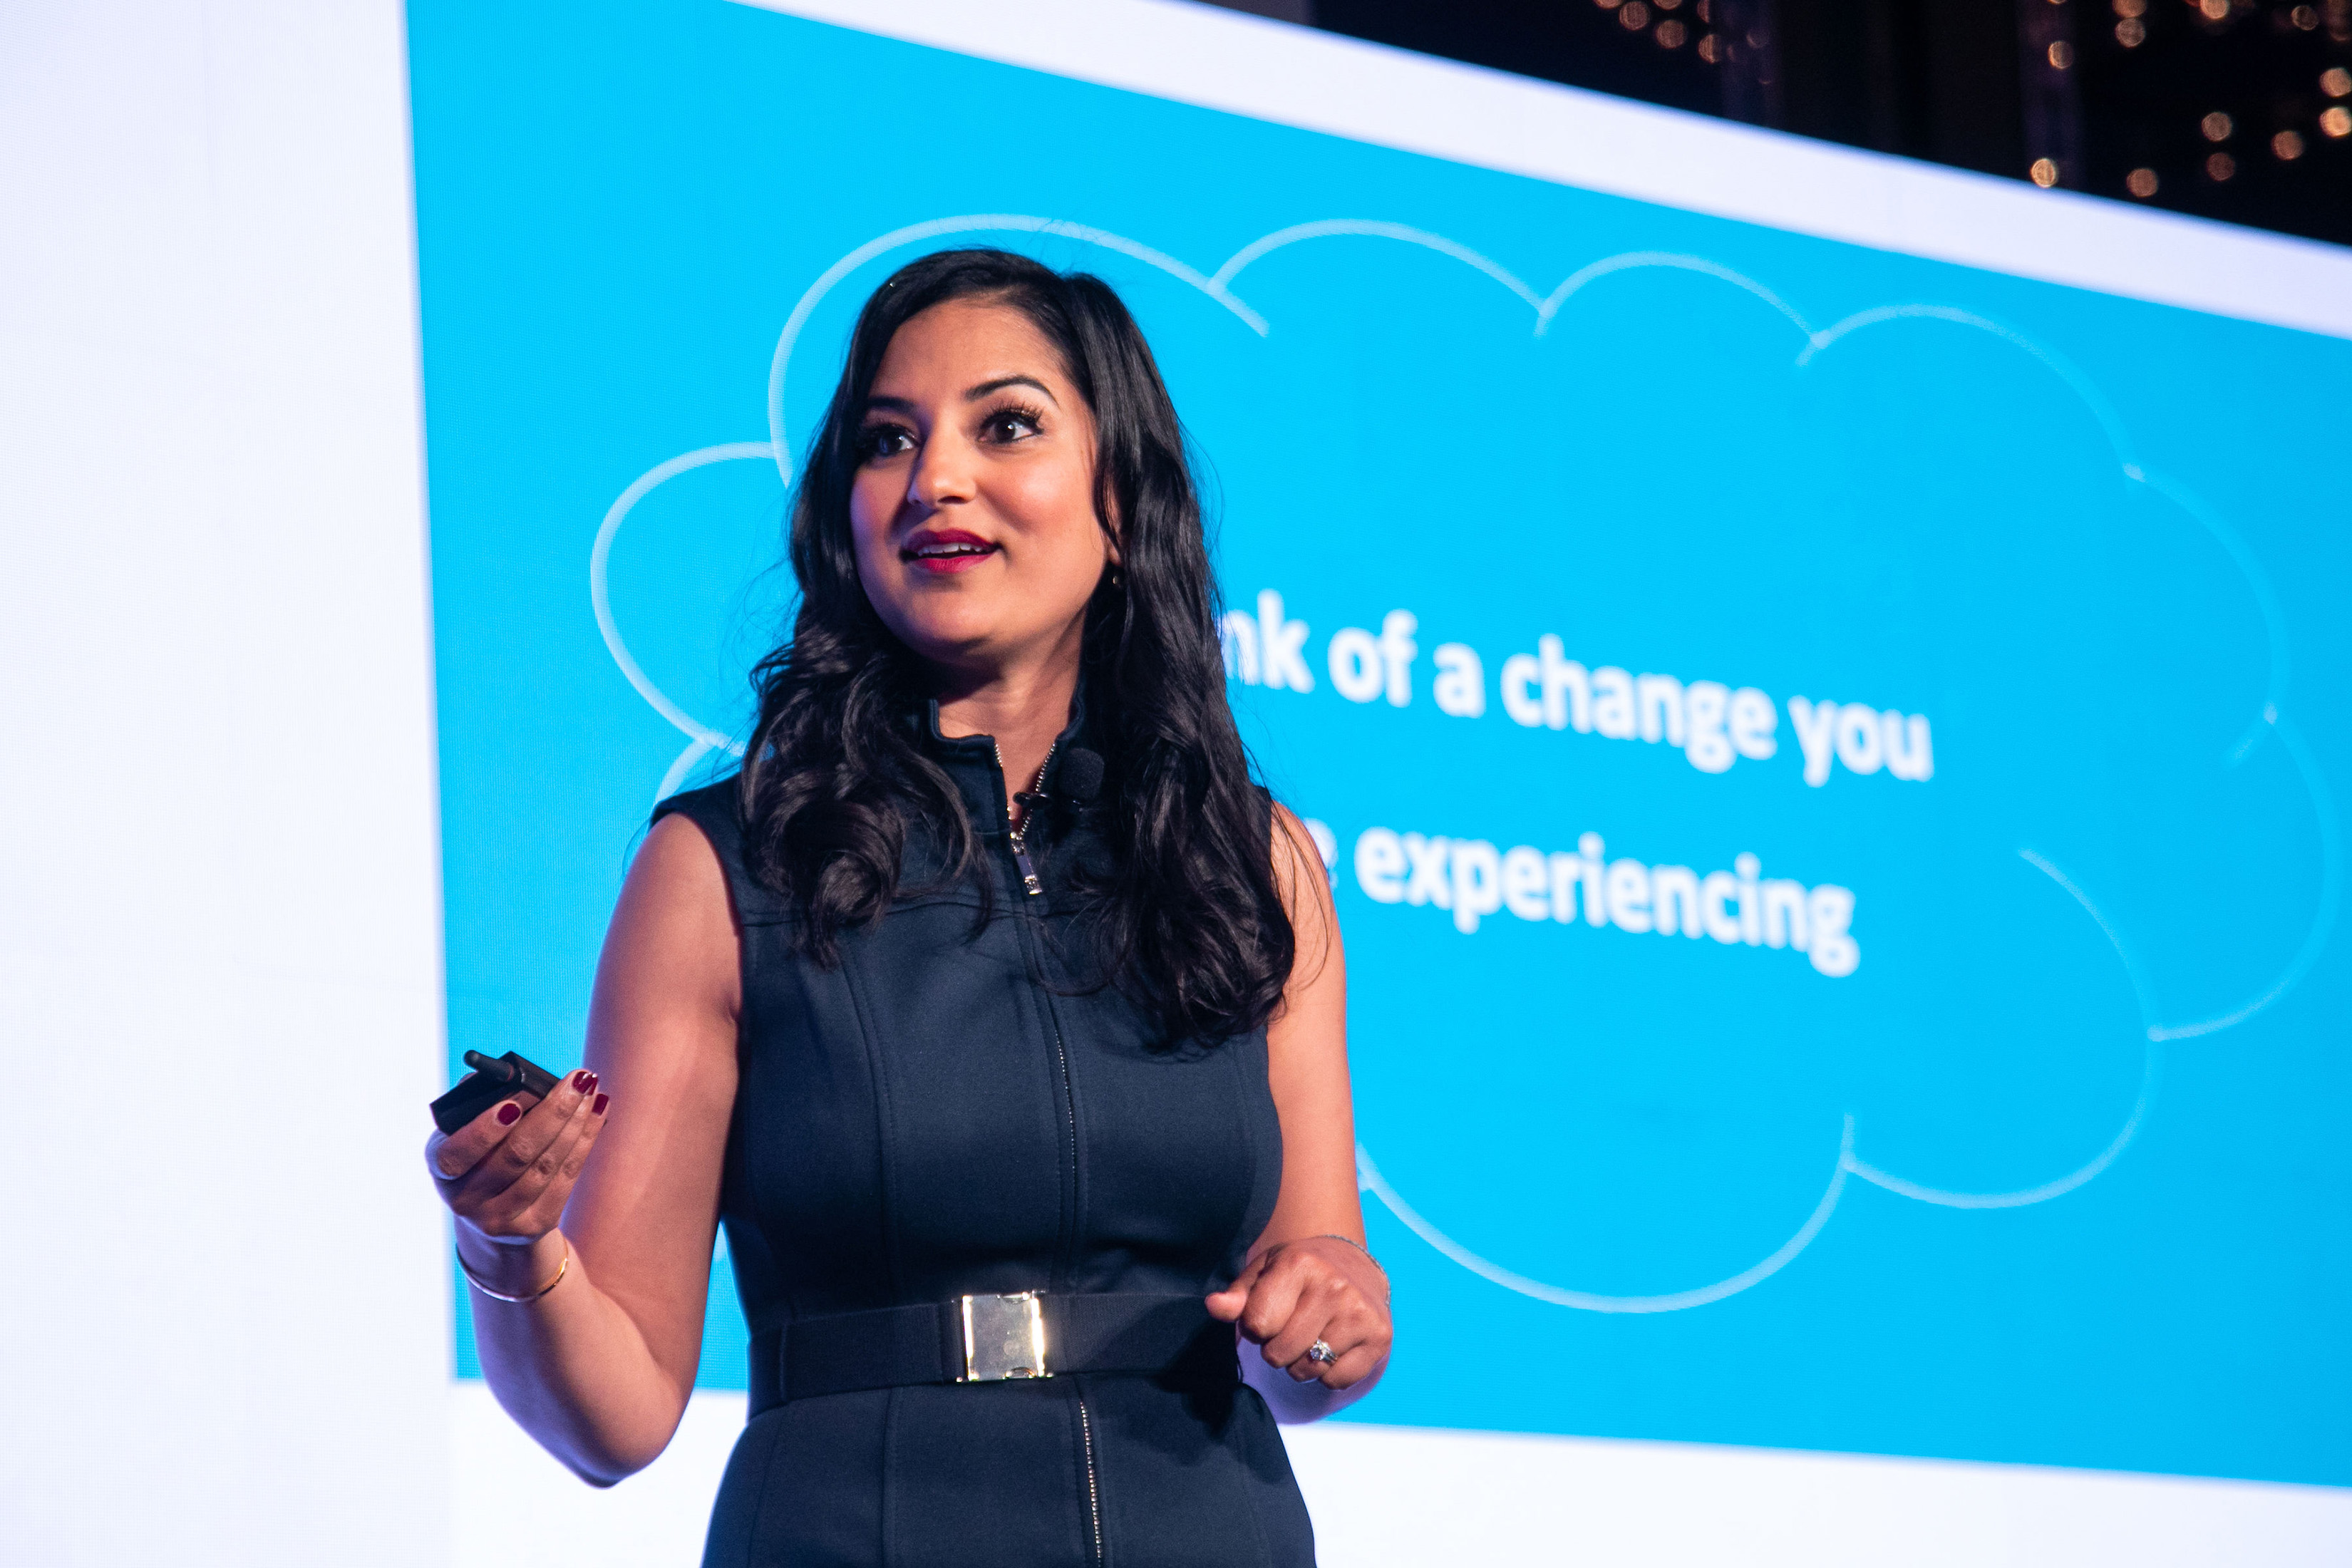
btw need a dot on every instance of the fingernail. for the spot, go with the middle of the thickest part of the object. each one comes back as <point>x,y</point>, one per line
<point>601,1100</point>
<point>510,1113</point>
<point>584,1081</point>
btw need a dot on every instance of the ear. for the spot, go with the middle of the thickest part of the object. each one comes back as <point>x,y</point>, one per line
<point>1107,516</point>
<point>1113,573</point>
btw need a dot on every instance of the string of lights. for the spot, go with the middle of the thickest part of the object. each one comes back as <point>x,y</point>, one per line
<point>2234,109</point>
<point>2237,110</point>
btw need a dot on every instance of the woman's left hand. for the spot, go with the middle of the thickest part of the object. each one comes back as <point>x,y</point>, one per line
<point>1319,1287</point>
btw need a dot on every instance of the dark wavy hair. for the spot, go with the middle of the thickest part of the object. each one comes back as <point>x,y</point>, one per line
<point>1186,915</point>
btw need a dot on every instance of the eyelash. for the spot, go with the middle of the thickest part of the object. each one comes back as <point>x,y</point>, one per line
<point>870,439</point>
<point>1033,417</point>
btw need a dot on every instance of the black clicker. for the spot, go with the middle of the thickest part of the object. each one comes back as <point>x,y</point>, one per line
<point>493,1079</point>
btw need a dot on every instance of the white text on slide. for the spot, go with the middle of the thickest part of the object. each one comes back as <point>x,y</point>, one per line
<point>1713,724</point>
<point>1472,879</point>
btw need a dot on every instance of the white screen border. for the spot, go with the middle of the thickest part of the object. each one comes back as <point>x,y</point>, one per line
<point>1289,75</point>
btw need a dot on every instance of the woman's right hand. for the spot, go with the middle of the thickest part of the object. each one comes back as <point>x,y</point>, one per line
<point>507,1175</point>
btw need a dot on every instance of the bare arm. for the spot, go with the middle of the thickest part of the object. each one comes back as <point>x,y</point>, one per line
<point>1301,1285</point>
<point>600,1367</point>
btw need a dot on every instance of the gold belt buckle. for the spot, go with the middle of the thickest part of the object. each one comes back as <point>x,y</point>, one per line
<point>1004,1337</point>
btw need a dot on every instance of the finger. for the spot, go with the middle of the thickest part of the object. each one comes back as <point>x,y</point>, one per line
<point>1302,1366</point>
<point>1317,1295</point>
<point>528,1140</point>
<point>546,1213</point>
<point>1273,1297</point>
<point>548,1174</point>
<point>450,1155</point>
<point>1344,1341</point>
<point>1358,1335</point>
<point>505,1210</point>
<point>1351,1368</point>
<point>1227,1305</point>
<point>1308,1369</point>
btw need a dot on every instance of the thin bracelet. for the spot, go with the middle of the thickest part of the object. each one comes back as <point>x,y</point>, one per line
<point>475,1279</point>
<point>1335,1236</point>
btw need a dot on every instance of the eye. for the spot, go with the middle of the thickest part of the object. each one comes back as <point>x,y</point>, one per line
<point>1009,423</point>
<point>879,441</point>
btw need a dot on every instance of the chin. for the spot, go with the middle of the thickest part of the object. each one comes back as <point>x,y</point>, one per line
<point>948,639</point>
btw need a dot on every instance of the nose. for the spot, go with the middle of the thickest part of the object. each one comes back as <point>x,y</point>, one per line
<point>942,474</point>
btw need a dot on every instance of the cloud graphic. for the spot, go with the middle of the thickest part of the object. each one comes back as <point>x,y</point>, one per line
<point>1808,347</point>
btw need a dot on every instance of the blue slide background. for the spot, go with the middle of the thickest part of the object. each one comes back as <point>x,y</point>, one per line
<point>2058,1174</point>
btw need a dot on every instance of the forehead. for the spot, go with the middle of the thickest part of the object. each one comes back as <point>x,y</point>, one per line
<point>965,342</point>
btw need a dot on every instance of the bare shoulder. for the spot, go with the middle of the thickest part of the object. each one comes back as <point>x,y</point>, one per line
<point>1299,877</point>
<point>1297,863</point>
<point>674,926</point>
<point>677,854</point>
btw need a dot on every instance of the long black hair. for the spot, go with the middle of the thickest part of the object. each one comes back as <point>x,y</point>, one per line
<point>1187,916</point>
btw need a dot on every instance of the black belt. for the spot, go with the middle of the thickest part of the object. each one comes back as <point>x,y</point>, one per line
<point>984,1339</point>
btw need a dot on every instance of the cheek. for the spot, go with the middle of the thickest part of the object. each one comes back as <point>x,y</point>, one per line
<point>869,512</point>
<point>1061,507</point>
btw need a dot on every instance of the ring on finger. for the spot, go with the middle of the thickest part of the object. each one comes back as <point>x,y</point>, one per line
<point>1320,1353</point>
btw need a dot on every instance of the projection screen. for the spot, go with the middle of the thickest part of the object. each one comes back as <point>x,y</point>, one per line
<point>1818,680</point>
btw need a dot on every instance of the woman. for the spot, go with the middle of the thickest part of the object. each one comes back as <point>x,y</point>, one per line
<point>994,1010</point>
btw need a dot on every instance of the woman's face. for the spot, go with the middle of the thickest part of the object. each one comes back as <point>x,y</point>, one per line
<point>973,508</point>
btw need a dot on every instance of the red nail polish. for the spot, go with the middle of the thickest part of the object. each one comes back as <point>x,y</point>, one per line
<point>510,1113</point>
<point>584,1081</point>
<point>601,1100</point>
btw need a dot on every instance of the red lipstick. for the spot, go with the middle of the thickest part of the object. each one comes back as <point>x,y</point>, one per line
<point>945,549</point>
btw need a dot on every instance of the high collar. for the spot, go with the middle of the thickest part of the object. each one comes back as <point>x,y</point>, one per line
<point>973,762</point>
<point>982,748</point>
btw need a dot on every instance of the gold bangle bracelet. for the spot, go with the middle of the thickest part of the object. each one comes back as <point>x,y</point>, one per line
<point>475,1281</point>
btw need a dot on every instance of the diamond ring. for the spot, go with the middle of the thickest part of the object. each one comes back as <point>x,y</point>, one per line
<point>1319,1352</point>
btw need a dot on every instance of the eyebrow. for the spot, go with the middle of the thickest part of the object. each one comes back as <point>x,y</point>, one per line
<point>971,394</point>
<point>974,394</point>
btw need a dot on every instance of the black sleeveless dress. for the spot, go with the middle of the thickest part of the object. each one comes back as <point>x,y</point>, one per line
<point>950,1112</point>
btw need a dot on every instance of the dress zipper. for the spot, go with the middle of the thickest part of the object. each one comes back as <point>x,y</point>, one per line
<point>1016,838</point>
<point>1094,1495</point>
<point>1017,835</point>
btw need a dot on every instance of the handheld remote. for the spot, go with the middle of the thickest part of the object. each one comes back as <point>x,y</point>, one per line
<point>495,1078</point>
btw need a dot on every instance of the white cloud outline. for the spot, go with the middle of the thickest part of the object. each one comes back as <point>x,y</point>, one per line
<point>2270,721</point>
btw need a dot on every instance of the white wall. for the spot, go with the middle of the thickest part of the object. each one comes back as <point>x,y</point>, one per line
<point>223,1332</point>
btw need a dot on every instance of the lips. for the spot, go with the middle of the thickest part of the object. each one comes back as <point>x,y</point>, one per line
<point>942,550</point>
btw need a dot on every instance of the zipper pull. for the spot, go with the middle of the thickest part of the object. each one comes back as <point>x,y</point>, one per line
<point>1017,838</point>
